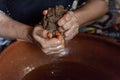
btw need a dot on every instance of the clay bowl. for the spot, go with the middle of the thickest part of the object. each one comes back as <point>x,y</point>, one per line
<point>90,58</point>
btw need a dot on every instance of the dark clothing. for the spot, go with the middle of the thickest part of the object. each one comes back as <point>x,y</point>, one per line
<point>30,11</point>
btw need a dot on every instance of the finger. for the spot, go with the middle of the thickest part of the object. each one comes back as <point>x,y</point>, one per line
<point>61,22</point>
<point>55,42</point>
<point>71,33</point>
<point>52,43</point>
<point>71,36</point>
<point>50,35</point>
<point>68,25</point>
<point>67,17</point>
<point>51,48</point>
<point>45,12</point>
<point>41,32</point>
<point>58,53</point>
<point>39,39</point>
<point>61,30</point>
<point>72,30</point>
<point>55,52</point>
<point>59,36</point>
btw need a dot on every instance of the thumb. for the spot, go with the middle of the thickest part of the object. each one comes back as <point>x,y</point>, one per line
<point>39,31</point>
<point>45,12</point>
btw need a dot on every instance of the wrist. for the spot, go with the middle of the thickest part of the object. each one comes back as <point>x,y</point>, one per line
<point>26,35</point>
<point>29,36</point>
<point>77,17</point>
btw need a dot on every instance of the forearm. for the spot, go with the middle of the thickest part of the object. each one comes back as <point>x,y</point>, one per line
<point>91,11</point>
<point>12,29</point>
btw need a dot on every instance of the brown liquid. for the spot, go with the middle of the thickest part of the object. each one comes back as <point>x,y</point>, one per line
<point>66,71</point>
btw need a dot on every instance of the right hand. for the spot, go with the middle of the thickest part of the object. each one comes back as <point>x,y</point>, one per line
<point>49,45</point>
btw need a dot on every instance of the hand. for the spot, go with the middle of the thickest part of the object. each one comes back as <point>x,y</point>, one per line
<point>69,25</point>
<point>49,45</point>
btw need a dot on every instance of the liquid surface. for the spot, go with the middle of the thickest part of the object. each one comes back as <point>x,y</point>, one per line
<point>66,71</point>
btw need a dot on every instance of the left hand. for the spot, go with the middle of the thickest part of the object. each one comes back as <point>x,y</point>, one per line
<point>69,25</point>
<point>49,45</point>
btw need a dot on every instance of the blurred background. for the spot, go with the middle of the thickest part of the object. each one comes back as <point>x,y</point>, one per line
<point>109,24</point>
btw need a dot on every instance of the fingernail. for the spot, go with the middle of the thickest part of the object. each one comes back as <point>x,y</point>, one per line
<point>50,35</point>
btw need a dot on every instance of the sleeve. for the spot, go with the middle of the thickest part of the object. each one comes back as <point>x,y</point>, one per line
<point>3,6</point>
<point>81,2</point>
<point>78,4</point>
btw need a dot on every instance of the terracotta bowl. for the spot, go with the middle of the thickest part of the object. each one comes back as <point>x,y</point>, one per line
<point>90,58</point>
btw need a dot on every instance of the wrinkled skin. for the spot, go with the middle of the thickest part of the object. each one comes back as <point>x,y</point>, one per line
<point>49,45</point>
<point>69,25</point>
<point>70,22</point>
